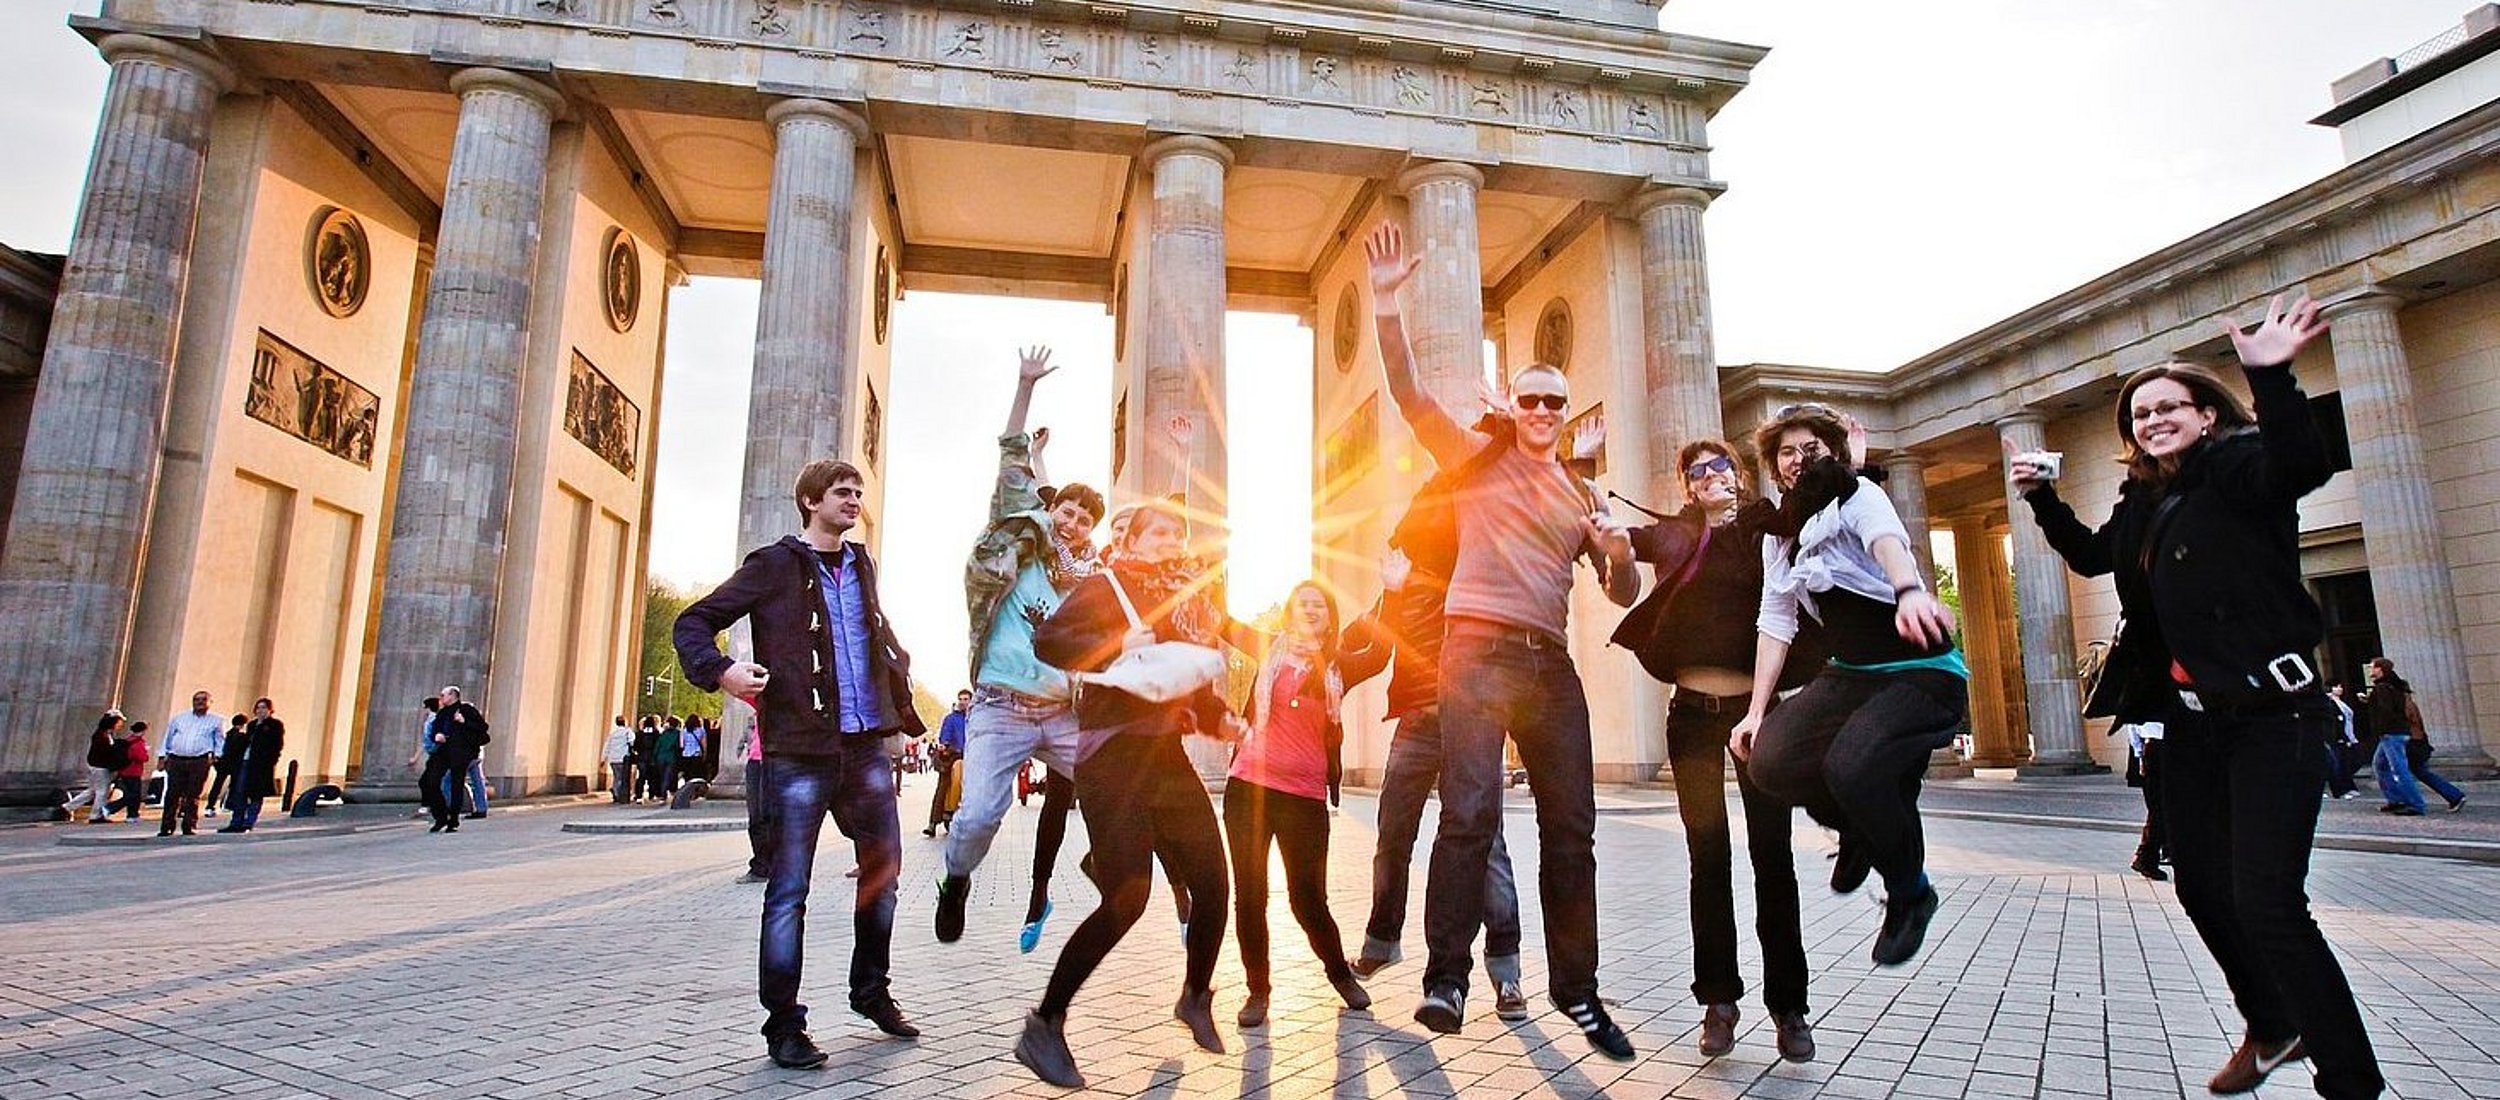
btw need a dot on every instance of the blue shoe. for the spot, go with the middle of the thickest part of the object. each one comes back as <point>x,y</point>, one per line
<point>1031,937</point>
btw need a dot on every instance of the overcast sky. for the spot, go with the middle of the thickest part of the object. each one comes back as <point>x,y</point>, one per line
<point>1900,175</point>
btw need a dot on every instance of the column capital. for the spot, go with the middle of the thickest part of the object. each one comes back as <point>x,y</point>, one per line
<point>1185,145</point>
<point>118,48</point>
<point>468,82</point>
<point>1438,170</point>
<point>1905,459</point>
<point>1652,198</point>
<point>787,109</point>
<point>2370,301</point>
<point>2023,418</point>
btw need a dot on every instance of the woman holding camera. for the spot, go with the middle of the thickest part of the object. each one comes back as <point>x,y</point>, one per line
<point>2204,545</point>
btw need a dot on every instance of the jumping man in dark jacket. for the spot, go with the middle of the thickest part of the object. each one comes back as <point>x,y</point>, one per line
<point>831,682</point>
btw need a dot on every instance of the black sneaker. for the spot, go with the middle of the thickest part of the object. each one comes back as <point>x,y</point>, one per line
<point>953,892</point>
<point>1905,927</point>
<point>795,1051</point>
<point>1600,1029</point>
<point>1444,1010</point>
<point>888,1017</point>
<point>1849,867</point>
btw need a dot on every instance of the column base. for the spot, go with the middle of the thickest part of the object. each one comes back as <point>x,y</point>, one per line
<point>2039,769</point>
<point>367,794</point>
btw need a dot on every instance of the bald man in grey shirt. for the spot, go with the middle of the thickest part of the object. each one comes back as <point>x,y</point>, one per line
<point>1523,522</point>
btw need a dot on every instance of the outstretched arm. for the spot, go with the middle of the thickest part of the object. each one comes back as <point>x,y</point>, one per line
<point>1033,366</point>
<point>1449,443</point>
<point>2292,458</point>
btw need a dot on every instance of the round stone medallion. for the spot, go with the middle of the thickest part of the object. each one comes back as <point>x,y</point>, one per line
<point>1553,335</point>
<point>1343,331</point>
<point>620,282</point>
<point>338,261</point>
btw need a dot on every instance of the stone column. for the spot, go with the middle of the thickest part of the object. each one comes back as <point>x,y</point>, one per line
<point>2044,615</point>
<point>1181,335</point>
<point>1905,482</point>
<point>1445,300</point>
<point>803,353</point>
<point>1682,367</point>
<point>440,590</point>
<point>2407,552</point>
<point>1979,570</point>
<point>70,572</point>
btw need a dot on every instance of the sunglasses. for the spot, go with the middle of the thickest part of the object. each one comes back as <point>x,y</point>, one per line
<point>1551,401</point>
<point>1806,407</point>
<point>1715,464</point>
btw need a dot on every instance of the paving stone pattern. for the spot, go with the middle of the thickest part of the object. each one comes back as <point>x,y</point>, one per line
<point>513,960</point>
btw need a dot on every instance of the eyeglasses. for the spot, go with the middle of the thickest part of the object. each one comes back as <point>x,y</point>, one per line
<point>1806,407</point>
<point>1715,464</point>
<point>1809,451</point>
<point>1551,401</point>
<point>2160,409</point>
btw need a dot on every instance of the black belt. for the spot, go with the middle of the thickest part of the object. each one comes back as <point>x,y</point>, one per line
<point>201,756</point>
<point>1533,639</point>
<point>1707,703</point>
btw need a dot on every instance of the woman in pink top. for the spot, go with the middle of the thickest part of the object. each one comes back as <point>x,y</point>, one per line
<point>1278,794</point>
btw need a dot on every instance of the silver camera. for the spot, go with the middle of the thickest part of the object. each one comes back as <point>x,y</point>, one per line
<point>2049,463</point>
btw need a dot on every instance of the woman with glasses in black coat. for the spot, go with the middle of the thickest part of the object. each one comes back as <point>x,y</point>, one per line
<point>2204,545</point>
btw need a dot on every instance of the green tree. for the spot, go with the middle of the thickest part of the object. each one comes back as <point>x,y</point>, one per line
<point>661,685</point>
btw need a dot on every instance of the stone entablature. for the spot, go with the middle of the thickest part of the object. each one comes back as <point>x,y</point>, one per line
<point>1478,85</point>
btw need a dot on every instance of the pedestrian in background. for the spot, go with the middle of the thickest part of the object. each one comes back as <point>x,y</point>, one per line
<point>104,757</point>
<point>193,739</point>
<point>617,752</point>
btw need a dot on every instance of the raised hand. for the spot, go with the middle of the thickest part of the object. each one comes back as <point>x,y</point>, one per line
<point>1853,433</point>
<point>2023,476</point>
<point>1034,365</point>
<point>1182,429</point>
<point>1385,248</point>
<point>1395,569</point>
<point>2280,336</point>
<point>1041,439</point>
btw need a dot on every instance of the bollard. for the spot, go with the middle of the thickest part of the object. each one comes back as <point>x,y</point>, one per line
<point>288,799</point>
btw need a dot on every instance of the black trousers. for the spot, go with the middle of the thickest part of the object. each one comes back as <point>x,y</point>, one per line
<point>1051,831</point>
<point>184,775</point>
<point>430,787</point>
<point>1851,749</point>
<point>1256,819</point>
<point>2155,841</point>
<point>1142,799</point>
<point>1697,729</point>
<point>2240,793</point>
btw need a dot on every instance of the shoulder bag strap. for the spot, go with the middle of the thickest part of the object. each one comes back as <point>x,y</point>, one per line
<point>1121,591</point>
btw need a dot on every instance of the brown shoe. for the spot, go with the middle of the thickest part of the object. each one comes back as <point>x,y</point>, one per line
<point>2251,1063</point>
<point>1796,1036</point>
<point>1718,1029</point>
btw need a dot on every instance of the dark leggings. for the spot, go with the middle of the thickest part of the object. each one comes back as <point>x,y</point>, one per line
<point>1142,799</point>
<point>1058,797</point>
<point>1851,749</point>
<point>1255,816</point>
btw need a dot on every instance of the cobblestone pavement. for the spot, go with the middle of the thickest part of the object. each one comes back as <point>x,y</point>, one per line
<point>515,960</point>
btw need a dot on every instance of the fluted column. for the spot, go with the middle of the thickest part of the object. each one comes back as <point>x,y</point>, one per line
<point>1905,481</point>
<point>1980,574</point>
<point>440,591</point>
<point>1181,335</point>
<point>2408,556</point>
<point>70,572</point>
<point>1445,299</point>
<point>803,354</point>
<point>2045,618</point>
<point>1681,365</point>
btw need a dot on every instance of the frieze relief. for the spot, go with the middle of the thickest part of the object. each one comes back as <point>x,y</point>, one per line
<point>1286,69</point>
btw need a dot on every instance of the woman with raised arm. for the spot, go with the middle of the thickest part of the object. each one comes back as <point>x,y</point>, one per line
<point>2204,549</point>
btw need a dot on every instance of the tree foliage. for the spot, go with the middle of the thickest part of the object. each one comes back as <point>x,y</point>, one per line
<point>661,603</point>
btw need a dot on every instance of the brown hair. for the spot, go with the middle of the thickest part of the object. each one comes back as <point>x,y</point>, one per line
<point>1148,509</point>
<point>818,477</point>
<point>1823,422</point>
<point>2204,387</point>
<point>1711,444</point>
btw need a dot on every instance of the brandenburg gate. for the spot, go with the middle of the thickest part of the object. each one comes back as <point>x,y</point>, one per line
<point>352,386</point>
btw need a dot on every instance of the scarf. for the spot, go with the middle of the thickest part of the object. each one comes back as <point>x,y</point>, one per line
<point>1173,593</point>
<point>1279,655</point>
<point>1068,564</point>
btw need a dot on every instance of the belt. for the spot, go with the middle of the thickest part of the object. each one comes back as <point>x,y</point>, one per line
<point>1533,639</point>
<point>1709,704</point>
<point>985,691</point>
<point>179,756</point>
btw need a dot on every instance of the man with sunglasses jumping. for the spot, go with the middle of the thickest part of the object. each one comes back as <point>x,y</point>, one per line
<point>1523,520</point>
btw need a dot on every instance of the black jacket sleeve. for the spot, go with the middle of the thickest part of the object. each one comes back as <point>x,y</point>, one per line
<point>1366,646</point>
<point>1084,634</point>
<point>2291,460</point>
<point>702,621</point>
<point>2086,551</point>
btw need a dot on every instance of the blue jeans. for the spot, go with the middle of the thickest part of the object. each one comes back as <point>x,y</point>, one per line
<point>855,785</point>
<point>1001,733</point>
<point>1497,679</point>
<point>1414,766</point>
<point>2395,778</point>
<point>477,786</point>
<point>2418,762</point>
